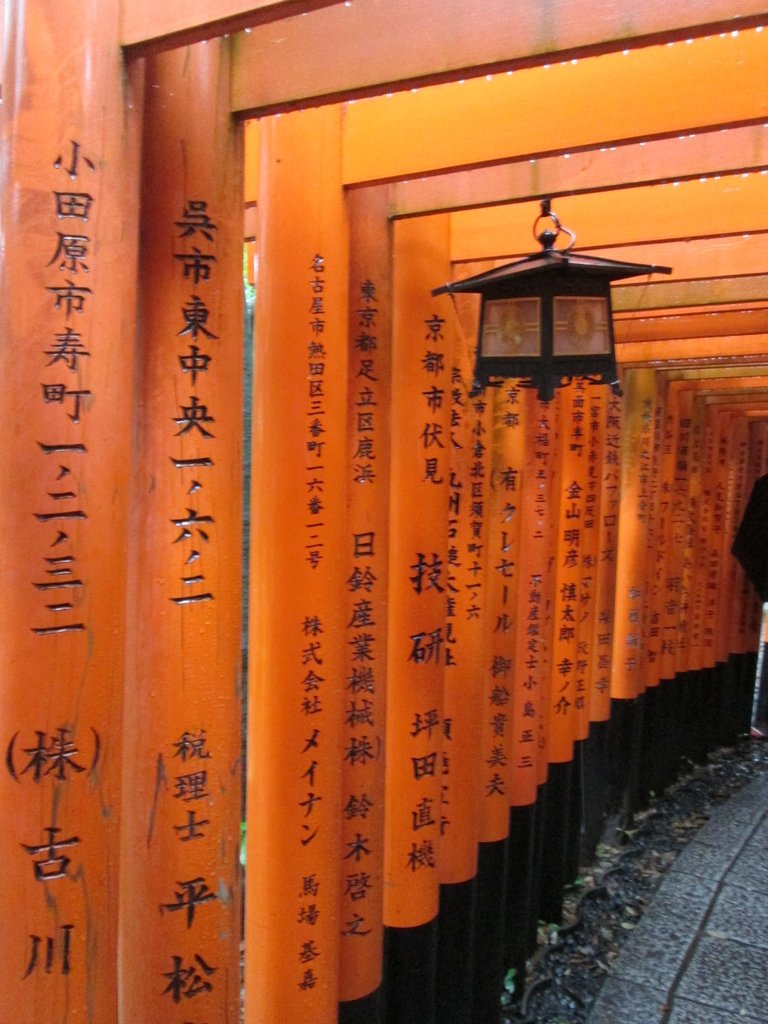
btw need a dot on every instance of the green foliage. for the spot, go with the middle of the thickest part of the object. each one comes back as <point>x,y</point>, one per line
<point>509,986</point>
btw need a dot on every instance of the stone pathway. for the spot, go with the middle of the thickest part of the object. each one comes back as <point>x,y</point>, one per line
<point>700,953</point>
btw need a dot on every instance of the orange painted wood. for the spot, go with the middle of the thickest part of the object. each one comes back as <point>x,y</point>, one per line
<point>468,123</point>
<point>714,495</point>
<point>379,46</point>
<point>469,603</point>
<point>596,403</point>
<point>365,552</point>
<point>567,701</point>
<point>252,159</point>
<point>735,454</point>
<point>656,545</point>
<point>714,325</point>
<point>609,505</point>
<point>627,678</point>
<point>588,170</point>
<point>673,522</point>
<point>299,566</point>
<point>701,502</point>
<point>69,196</point>
<point>706,350</point>
<point>689,490</point>
<point>507,769</point>
<point>182,750</point>
<point>419,651</point>
<point>627,217</point>
<point>147,28</point>
<point>532,623</point>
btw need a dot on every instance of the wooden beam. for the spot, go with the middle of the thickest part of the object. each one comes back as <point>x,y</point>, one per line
<point>693,209</point>
<point>726,256</point>
<point>375,46</point>
<point>731,349</point>
<point>149,27</point>
<point>669,90</point>
<point>691,293</point>
<point>606,167</point>
<point>669,327</point>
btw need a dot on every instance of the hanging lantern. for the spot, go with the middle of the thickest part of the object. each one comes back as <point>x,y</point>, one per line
<point>546,318</point>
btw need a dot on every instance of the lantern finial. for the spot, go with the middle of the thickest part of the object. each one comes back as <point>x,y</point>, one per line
<point>548,237</point>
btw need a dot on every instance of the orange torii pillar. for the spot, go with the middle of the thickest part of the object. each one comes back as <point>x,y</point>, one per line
<point>589,629</point>
<point>696,448</point>
<point>182,753</point>
<point>654,714</point>
<point>299,563</point>
<point>67,321</point>
<point>534,625</point>
<point>673,526</point>
<point>567,701</point>
<point>466,600</point>
<point>364,676</point>
<point>717,584</point>
<point>610,502</point>
<point>511,700</point>
<point>467,596</point>
<point>493,774</point>
<point>609,484</point>
<point>419,647</point>
<point>627,664</point>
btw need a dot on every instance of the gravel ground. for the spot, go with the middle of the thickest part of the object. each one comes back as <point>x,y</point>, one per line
<point>610,896</point>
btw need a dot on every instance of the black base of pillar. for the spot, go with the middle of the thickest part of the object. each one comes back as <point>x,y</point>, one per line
<point>410,968</point>
<point>539,833</point>
<point>490,906</point>
<point>619,742</point>
<point>368,1010</point>
<point>594,771</point>
<point>521,911</point>
<point>455,960</point>
<point>556,842</point>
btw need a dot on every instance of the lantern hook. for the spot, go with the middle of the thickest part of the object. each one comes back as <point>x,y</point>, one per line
<point>548,237</point>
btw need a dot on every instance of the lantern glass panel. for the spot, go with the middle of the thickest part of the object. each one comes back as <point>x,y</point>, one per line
<point>581,326</point>
<point>511,327</point>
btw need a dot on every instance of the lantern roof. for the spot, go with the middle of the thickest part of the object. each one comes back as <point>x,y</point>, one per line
<point>547,261</point>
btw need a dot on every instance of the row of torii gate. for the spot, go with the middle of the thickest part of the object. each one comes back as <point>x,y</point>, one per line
<point>477,624</point>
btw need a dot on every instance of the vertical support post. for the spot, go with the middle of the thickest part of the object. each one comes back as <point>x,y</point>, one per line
<point>568,705</point>
<point>631,571</point>
<point>418,647</point>
<point>466,607</point>
<point>69,198</point>
<point>180,928</point>
<point>370,332</point>
<point>610,499</point>
<point>637,450</point>
<point>298,603</point>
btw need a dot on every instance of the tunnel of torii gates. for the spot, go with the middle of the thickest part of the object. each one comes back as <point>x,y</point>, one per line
<point>479,625</point>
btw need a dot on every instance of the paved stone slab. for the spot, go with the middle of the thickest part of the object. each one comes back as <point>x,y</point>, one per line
<point>654,953</point>
<point>760,836</point>
<point>725,832</point>
<point>684,886</point>
<point>750,871</point>
<point>738,914</point>
<point>623,1001</point>
<point>701,860</point>
<point>727,975</point>
<point>750,800</point>
<point>686,1011</point>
